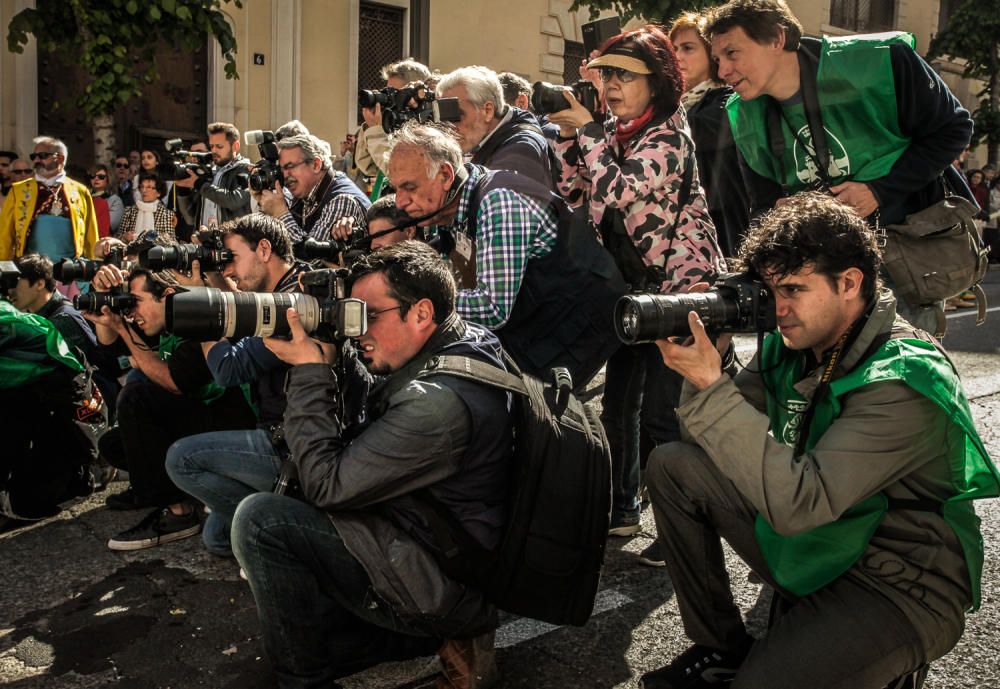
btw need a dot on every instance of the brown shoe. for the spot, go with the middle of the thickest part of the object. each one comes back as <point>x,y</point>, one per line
<point>468,663</point>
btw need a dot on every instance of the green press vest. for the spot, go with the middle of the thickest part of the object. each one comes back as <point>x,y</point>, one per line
<point>808,561</point>
<point>209,392</point>
<point>30,347</point>
<point>857,102</point>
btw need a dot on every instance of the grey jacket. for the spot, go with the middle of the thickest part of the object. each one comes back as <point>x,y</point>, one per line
<point>887,438</point>
<point>231,196</point>
<point>367,484</point>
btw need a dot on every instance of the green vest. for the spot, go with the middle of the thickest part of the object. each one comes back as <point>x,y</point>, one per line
<point>30,347</point>
<point>808,561</point>
<point>857,100</point>
<point>209,392</point>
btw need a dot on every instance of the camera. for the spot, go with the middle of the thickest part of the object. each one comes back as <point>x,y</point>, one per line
<point>266,171</point>
<point>71,269</point>
<point>211,254</point>
<point>737,303</point>
<point>324,310</point>
<point>356,245</point>
<point>118,300</point>
<point>548,98</point>
<point>9,275</point>
<point>415,102</point>
<point>179,163</point>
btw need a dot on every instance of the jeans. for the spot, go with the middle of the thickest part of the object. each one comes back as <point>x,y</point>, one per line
<point>320,616</point>
<point>640,398</point>
<point>221,469</point>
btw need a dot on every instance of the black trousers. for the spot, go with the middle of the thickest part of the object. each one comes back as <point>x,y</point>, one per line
<point>150,419</point>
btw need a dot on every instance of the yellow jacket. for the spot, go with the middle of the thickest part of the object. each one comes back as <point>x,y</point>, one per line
<point>19,209</point>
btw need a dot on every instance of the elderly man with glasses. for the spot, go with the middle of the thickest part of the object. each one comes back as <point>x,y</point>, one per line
<point>49,214</point>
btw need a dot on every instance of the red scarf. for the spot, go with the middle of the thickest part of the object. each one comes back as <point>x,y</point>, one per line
<point>624,131</point>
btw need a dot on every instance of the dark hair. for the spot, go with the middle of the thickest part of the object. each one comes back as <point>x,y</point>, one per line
<point>653,47</point>
<point>385,208</point>
<point>413,271</point>
<point>762,20</point>
<point>694,21</point>
<point>970,173</point>
<point>257,226</point>
<point>161,187</point>
<point>230,130</point>
<point>9,154</point>
<point>101,167</point>
<point>35,267</point>
<point>157,282</point>
<point>122,155</point>
<point>513,86</point>
<point>813,228</point>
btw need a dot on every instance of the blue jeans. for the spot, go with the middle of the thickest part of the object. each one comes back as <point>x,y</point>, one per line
<point>220,469</point>
<point>320,616</point>
<point>640,398</point>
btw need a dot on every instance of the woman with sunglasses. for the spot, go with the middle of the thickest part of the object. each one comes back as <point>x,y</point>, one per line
<point>108,206</point>
<point>637,171</point>
<point>705,103</point>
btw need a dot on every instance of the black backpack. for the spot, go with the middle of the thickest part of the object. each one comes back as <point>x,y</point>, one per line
<point>548,563</point>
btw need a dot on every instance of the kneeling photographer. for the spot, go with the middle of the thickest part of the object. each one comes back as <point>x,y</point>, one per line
<point>840,465</point>
<point>173,397</point>
<point>322,195</point>
<point>201,465</point>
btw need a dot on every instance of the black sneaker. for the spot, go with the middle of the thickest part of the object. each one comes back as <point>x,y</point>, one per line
<point>652,555</point>
<point>696,668</point>
<point>159,527</point>
<point>126,500</point>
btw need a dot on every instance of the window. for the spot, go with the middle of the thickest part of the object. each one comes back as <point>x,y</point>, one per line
<point>946,9</point>
<point>380,41</point>
<point>863,15</point>
<point>572,54</point>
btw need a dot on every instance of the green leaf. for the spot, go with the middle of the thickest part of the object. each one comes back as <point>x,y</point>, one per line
<point>154,13</point>
<point>131,6</point>
<point>170,6</point>
<point>184,13</point>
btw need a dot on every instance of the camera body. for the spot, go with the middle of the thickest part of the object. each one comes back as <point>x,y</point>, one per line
<point>118,300</point>
<point>324,310</point>
<point>548,98</point>
<point>355,246</point>
<point>416,103</point>
<point>70,269</point>
<point>179,162</point>
<point>211,254</point>
<point>266,171</point>
<point>736,303</point>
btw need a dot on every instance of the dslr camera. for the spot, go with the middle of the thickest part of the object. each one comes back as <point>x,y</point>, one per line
<point>179,162</point>
<point>415,102</point>
<point>211,254</point>
<point>355,246</point>
<point>324,309</point>
<point>737,303</point>
<point>266,171</point>
<point>548,98</point>
<point>70,269</point>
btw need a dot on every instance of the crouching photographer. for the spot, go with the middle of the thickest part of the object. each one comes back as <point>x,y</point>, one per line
<point>173,396</point>
<point>204,465</point>
<point>840,465</point>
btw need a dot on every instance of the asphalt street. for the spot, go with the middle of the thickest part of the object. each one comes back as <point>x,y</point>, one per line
<point>75,615</point>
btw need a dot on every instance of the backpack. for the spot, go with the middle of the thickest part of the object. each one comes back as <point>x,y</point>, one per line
<point>548,563</point>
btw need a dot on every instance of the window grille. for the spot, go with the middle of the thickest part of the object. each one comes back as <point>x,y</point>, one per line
<point>572,54</point>
<point>863,16</point>
<point>380,41</point>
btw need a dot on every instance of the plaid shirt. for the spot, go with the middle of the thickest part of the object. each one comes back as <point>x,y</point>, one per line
<point>339,206</point>
<point>510,230</point>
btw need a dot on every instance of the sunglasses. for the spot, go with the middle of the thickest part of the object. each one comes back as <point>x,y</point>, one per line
<point>623,75</point>
<point>40,156</point>
<point>99,175</point>
<point>121,165</point>
<point>16,171</point>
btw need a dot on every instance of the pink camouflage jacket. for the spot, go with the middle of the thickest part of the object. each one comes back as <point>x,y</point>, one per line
<point>645,186</point>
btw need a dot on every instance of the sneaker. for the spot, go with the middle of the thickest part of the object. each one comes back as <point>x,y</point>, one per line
<point>652,555</point>
<point>159,527</point>
<point>126,500</point>
<point>627,525</point>
<point>468,663</point>
<point>696,668</point>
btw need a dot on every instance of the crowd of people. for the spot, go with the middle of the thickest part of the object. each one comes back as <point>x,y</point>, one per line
<point>840,463</point>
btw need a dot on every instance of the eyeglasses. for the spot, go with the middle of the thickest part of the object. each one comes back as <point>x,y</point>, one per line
<point>41,156</point>
<point>121,165</point>
<point>623,75</point>
<point>20,171</point>
<point>288,167</point>
<point>99,175</point>
<point>373,315</point>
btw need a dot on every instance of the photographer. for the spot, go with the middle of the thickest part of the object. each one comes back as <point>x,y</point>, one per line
<point>382,217</point>
<point>225,196</point>
<point>638,172</point>
<point>492,133</point>
<point>372,141</point>
<point>840,465</point>
<point>200,465</point>
<point>174,397</point>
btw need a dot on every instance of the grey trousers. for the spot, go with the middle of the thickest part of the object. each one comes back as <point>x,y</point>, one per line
<point>845,635</point>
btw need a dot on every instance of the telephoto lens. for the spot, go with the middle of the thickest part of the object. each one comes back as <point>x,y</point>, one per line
<point>71,269</point>
<point>205,313</point>
<point>118,302</point>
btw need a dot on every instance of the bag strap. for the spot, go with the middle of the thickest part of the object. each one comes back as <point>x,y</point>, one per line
<point>474,370</point>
